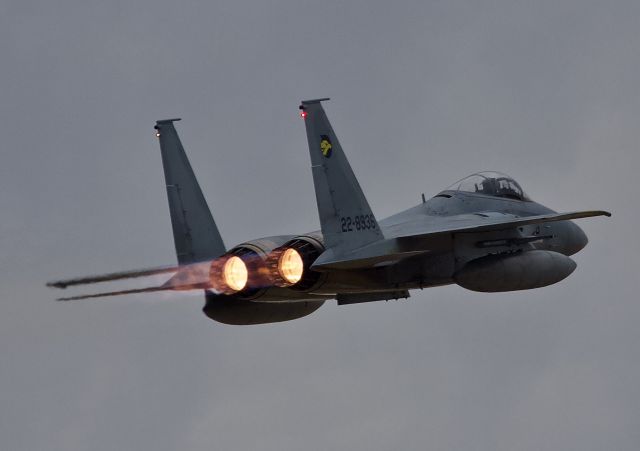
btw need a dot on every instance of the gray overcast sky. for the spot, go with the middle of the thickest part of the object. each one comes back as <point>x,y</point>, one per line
<point>423,93</point>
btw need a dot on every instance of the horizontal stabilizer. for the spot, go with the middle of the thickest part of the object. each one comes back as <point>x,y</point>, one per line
<point>116,293</point>
<point>112,276</point>
<point>187,277</point>
<point>368,257</point>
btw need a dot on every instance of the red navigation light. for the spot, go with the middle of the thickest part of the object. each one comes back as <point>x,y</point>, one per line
<point>303,114</point>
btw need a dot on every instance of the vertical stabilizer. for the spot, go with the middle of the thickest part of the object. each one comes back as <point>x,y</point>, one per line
<point>195,233</point>
<point>346,219</point>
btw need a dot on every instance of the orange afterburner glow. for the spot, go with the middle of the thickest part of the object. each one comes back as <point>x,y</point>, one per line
<point>290,266</point>
<point>235,274</point>
<point>228,274</point>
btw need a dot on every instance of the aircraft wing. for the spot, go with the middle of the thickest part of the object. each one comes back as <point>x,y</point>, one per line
<point>402,237</point>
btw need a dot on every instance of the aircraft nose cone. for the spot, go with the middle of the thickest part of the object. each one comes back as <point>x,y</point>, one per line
<point>578,239</point>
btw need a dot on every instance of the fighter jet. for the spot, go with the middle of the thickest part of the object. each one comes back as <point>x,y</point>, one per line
<point>482,233</point>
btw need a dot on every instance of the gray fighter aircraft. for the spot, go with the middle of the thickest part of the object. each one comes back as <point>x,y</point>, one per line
<point>482,233</point>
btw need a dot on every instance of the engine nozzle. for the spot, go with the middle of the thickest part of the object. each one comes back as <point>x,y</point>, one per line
<point>229,274</point>
<point>290,265</point>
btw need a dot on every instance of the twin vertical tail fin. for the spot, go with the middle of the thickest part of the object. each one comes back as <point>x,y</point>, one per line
<point>346,219</point>
<point>195,233</point>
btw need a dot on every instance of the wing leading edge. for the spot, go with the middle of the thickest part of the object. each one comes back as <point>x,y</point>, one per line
<point>481,224</point>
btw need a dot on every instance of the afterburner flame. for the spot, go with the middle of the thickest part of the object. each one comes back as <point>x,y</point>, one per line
<point>290,266</point>
<point>235,273</point>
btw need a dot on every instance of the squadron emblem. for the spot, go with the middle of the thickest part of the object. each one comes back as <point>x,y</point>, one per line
<point>325,145</point>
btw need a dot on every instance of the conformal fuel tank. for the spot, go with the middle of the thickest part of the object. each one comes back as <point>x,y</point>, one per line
<point>521,271</point>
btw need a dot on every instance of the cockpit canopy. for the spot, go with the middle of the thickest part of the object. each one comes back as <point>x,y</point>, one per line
<point>490,184</point>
